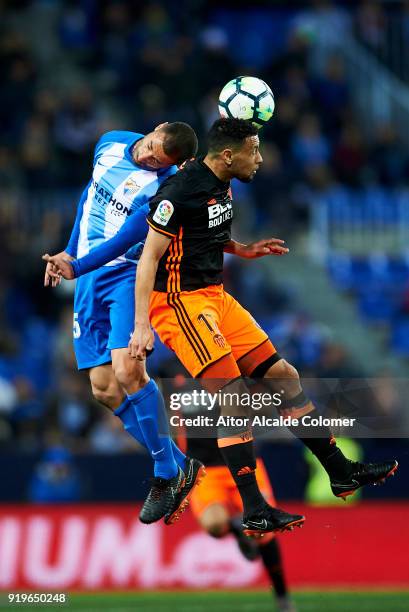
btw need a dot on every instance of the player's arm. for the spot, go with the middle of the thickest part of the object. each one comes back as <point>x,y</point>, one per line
<point>132,231</point>
<point>54,262</point>
<point>163,220</point>
<point>55,265</point>
<point>155,247</point>
<point>71,248</point>
<point>260,248</point>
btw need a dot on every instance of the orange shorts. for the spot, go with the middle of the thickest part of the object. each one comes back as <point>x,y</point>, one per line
<point>220,488</point>
<point>203,326</point>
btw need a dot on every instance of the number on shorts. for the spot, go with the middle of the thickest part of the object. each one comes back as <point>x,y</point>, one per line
<point>76,328</point>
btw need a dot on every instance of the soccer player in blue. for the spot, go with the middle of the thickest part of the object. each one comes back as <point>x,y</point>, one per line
<point>127,171</point>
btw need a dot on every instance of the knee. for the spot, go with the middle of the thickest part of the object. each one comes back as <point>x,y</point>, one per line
<point>284,377</point>
<point>283,370</point>
<point>107,394</point>
<point>128,372</point>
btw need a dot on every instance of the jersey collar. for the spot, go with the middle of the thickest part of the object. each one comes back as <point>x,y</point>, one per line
<point>211,173</point>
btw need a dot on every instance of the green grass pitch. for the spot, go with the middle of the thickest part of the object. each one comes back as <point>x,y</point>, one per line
<point>222,601</point>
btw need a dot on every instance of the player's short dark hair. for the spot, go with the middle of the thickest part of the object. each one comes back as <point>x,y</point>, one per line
<point>180,141</point>
<point>229,133</point>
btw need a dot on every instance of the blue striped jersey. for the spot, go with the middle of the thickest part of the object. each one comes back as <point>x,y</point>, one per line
<point>118,189</point>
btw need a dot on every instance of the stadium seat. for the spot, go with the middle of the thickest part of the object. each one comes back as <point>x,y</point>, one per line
<point>377,306</point>
<point>400,337</point>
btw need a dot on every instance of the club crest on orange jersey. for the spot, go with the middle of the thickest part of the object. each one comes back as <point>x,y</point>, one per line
<point>219,340</point>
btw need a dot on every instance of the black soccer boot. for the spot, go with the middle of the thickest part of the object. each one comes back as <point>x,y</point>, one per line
<point>161,497</point>
<point>363,474</point>
<point>268,519</point>
<point>194,474</point>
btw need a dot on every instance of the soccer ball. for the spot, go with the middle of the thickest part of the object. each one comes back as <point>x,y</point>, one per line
<point>247,98</point>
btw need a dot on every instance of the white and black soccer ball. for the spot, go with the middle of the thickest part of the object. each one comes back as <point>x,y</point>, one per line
<point>247,97</point>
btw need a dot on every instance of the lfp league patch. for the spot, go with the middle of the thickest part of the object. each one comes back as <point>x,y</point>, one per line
<point>164,212</point>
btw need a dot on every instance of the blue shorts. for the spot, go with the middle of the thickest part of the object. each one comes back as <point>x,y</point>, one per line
<point>104,309</point>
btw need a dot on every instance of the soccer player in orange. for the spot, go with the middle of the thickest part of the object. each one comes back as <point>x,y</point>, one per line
<point>179,290</point>
<point>218,509</point>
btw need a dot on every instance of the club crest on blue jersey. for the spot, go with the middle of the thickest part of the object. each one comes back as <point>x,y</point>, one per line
<point>131,187</point>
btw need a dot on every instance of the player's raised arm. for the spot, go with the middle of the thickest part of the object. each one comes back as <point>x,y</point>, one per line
<point>142,337</point>
<point>260,248</point>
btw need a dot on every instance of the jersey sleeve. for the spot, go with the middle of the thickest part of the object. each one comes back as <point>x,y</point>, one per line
<point>72,245</point>
<point>132,232</point>
<point>164,215</point>
<point>129,239</point>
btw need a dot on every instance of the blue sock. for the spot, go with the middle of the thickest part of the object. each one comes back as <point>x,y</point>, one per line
<point>126,412</point>
<point>128,417</point>
<point>179,456</point>
<point>150,409</point>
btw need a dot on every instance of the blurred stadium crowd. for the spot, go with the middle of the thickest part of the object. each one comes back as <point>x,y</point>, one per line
<point>73,70</point>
